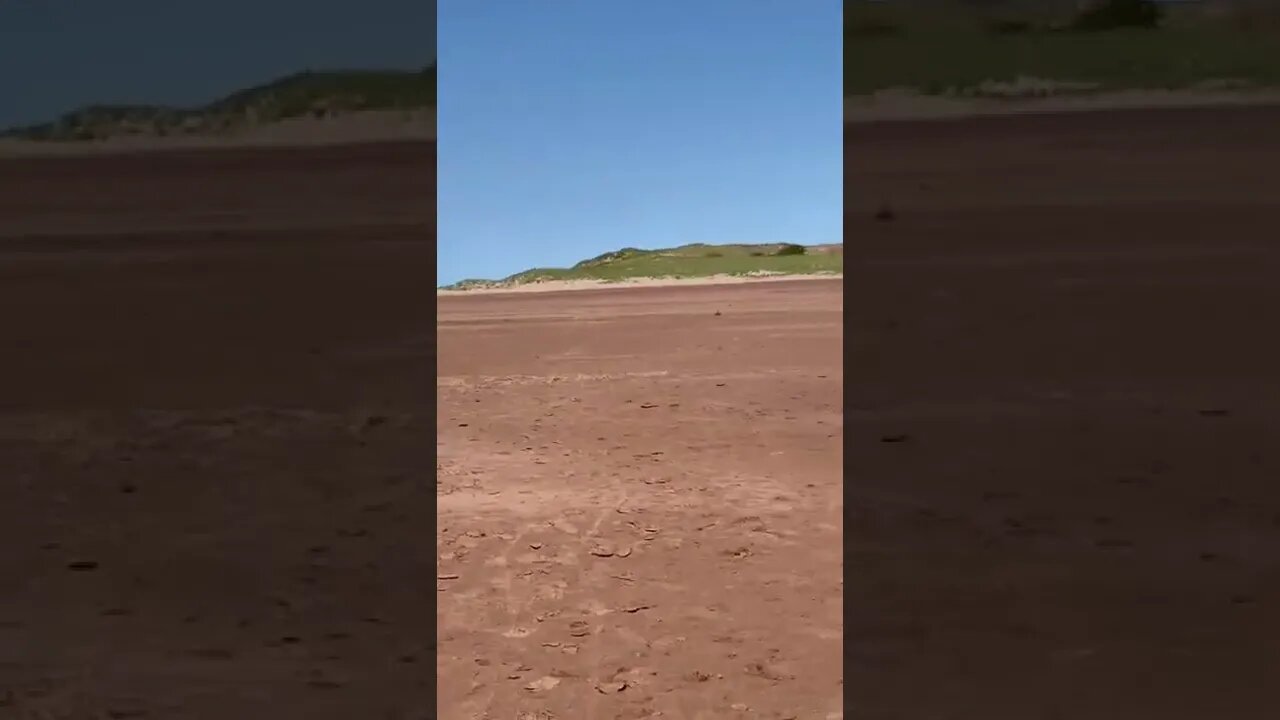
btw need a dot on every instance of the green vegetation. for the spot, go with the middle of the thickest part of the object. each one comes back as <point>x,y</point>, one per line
<point>687,261</point>
<point>307,94</point>
<point>953,48</point>
<point>1116,14</point>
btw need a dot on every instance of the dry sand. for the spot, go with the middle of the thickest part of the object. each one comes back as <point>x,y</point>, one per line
<point>215,435</point>
<point>1060,496</point>
<point>1060,492</point>
<point>639,502</point>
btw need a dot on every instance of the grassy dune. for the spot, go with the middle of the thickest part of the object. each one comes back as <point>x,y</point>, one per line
<point>954,48</point>
<point>686,261</point>
<point>307,94</point>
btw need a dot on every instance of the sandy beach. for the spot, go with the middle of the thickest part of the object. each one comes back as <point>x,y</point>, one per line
<point>633,486</point>
<point>1059,497</point>
<point>215,434</point>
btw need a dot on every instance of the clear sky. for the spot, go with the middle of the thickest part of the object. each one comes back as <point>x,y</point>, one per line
<point>57,55</point>
<point>568,128</point>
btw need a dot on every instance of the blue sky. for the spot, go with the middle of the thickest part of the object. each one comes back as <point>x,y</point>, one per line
<point>56,55</point>
<point>568,128</point>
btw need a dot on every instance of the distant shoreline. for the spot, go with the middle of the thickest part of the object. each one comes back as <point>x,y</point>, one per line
<point>369,126</point>
<point>901,105</point>
<point>572,285</point>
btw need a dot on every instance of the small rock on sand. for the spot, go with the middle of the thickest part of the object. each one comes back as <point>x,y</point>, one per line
<point>542,684</point>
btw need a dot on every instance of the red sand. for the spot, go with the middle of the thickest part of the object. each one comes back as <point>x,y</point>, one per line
<point>214,386</point>
<point>639,502</point>
<point>1067,326</point>
<point>1061,500</point>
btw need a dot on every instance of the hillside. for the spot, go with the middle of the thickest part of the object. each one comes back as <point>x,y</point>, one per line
<point>1014,49</point>
<point>686,261</point>
<point>307,94</point>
